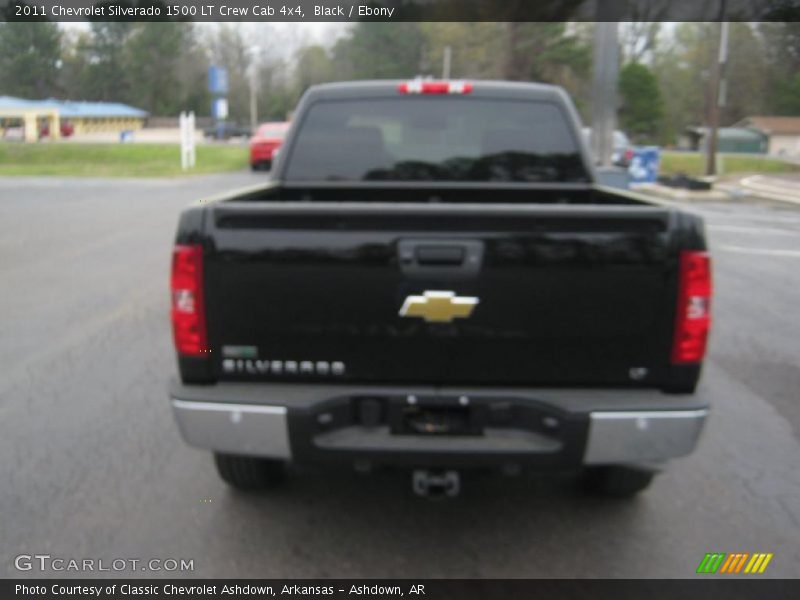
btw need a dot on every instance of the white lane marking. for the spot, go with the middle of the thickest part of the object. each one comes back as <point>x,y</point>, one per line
<point>754,230</point>
<point>758,251</point>
<point>756,184</point>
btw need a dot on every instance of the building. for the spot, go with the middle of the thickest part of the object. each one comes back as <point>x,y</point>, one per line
<point>95,117</point>
<point>729,139</point>
<point>28,114</point>
<point>84,117</point>
<point>782,133</point>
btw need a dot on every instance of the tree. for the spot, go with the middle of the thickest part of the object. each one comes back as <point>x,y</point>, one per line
<point>550,53</point>
<point>782,57</point>
<point>682,69</point>
<point>642,106</point>
<point>151,61</point>
<point>380,51</point>
<point>30,56</point>
<point>104,75</point>
<point>477,49</point>
<point>313,66</point>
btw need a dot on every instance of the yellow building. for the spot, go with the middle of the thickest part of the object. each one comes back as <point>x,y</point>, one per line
<point>28,115</point>
<point>78,117</point>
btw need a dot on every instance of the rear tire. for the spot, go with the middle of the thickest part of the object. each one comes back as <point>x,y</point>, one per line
<point>615,481</point>
<point>249,472</point>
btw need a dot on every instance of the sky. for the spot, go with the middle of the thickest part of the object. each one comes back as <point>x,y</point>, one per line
<point>290,36</point>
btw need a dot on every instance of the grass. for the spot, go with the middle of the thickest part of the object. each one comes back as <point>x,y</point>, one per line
<point>163,160</point>
<point>115,160</point>
<point>694,164</point>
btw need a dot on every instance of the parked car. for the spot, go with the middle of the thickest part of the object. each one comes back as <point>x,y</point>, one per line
<point>265,143</point>
<point>226,130</point>
<point>66,128</point>
<point>622,154</point>
<point>432,280</point>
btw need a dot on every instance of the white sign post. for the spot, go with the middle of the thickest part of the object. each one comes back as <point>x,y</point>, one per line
<point>188,155</point>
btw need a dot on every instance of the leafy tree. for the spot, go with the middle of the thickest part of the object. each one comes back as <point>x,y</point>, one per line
<point>550,53</point>
<point>313,66</point>
<point>682,69</point>
<point>30,56</point>
<point>642,106</point>
<point>380,51</point>
<point>782,57</point>
<point>104,76</point>
<point>786,96</point>
<point>151,59</point>
<point>477,49</point>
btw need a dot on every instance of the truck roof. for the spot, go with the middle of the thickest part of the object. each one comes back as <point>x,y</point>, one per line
<point>481,88</point>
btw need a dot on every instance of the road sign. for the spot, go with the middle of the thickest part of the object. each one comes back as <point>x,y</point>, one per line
<point>217,80</point>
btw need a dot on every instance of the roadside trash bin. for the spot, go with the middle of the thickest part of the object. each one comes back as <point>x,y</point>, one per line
<point>644,164</point>
<point>125,136</point>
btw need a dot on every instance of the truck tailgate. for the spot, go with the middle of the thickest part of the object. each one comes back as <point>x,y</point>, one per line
<point>515,294</point>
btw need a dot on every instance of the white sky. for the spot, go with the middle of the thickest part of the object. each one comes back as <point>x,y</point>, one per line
<point>283,38</point>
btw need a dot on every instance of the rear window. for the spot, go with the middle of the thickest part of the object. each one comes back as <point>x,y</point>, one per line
<point>435,139</point>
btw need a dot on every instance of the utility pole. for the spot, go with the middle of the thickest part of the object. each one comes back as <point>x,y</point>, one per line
<point>252,76</point>
<point>604,91</point>
<point>446,62</point>
<point>717,96</point>
<point>253,106</point>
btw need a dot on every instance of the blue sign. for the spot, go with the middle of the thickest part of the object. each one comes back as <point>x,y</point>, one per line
<point>644,164</point>
<point>219,108</point>
<point>217,80</point>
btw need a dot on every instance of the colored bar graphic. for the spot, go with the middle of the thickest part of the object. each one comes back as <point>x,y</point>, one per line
<point>759,562</point>
<point>711,562</point>
<point>741,562</point>
<point>720,562</point>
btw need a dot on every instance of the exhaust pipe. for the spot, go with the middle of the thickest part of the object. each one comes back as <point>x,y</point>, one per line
<point>431,484</point>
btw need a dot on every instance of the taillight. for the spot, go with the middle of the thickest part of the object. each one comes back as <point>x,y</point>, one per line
<point>419,86</point>
<point>188,307</point>
<point>693,316</point>
<point>628,155</point>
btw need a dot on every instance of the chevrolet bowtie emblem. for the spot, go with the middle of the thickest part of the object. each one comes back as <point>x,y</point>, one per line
<point>438,307</point>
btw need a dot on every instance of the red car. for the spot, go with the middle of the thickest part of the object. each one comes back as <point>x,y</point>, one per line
<point>265,143</point>
<point>66,129</point>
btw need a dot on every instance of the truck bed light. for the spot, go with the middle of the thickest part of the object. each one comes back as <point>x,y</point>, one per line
<point>419,86</point>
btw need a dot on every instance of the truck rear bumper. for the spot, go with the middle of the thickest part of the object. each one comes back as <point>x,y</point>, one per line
<point>537,427</point>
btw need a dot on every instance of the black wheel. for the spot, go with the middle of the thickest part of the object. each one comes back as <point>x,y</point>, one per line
<point>619,482</point>
<point>248,472</point>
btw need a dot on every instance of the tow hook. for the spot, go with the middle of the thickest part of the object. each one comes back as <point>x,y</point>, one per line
<point>436,484</point>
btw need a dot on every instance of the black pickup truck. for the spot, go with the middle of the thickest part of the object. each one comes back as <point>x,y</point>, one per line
<point>431,279</point>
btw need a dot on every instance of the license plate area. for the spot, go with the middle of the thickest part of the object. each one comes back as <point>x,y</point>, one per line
<point>432,417</point>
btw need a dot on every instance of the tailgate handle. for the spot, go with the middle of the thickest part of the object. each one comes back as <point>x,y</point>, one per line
<point>427,258</point>
<point>440,255</point>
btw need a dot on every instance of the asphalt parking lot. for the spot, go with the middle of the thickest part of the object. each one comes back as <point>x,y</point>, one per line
<point>93,466</point>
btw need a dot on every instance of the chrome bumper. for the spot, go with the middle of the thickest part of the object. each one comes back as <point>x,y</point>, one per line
<point>642,437</point>
<point>614,437</point>
<point>247,429</point>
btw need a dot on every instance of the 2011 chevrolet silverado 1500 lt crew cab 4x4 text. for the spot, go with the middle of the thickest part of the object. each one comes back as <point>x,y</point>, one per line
<point>432,279</point>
